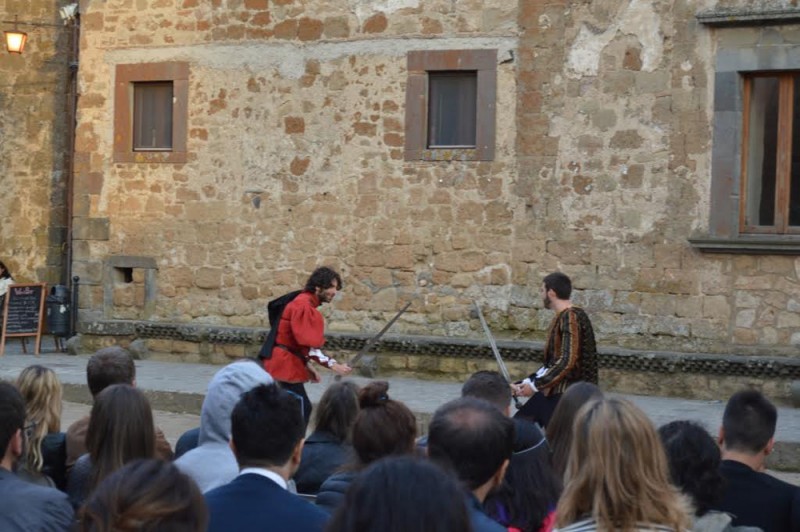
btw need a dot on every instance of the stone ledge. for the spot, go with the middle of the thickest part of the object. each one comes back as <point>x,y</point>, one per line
<point>659,362</point>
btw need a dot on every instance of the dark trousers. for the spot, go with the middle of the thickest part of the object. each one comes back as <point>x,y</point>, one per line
<point>299,389</point>
<point>539,408</point>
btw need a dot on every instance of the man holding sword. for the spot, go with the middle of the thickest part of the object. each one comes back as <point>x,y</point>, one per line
<point>570,353</point>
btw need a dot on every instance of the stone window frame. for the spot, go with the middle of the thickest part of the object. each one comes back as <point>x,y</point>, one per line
<point>419,64</point>
<point>733,62</point>
<point>126,76</point>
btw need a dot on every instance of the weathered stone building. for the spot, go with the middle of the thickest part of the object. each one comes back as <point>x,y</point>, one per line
<point>609,142</point>
<point>34,140</point>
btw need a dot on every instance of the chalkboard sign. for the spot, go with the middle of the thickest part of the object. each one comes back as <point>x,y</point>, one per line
<point>23,312</point>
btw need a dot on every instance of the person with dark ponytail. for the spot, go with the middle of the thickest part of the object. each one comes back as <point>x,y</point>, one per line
<point>5,281</point>
<point>383,427</point>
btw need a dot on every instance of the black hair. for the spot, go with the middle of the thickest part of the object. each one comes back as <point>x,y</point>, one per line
<point>748,422</point>
<point>323,278</point>
<point>559,283</point>
<point>694,459</point>
<point>472,438</point>
<point>12,413</point>
<point>337,410</point>
<point>266,425</point>
<point>110,365</point>
<point>530,489</point>
<point>489,386</point>
<point>398,494</point>
<point>5,274</point>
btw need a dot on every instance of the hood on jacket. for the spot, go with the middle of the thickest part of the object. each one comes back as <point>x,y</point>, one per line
<point>224,391</point>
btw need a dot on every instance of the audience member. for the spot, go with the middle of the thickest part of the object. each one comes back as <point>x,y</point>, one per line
<point>212,462</point>
<point>45,453</point>
<point>187,441</point>
<point>267,428</point>
<point>330,445</point>
<point>110,365</point>
<point>24,506</point>
<point>5,281</point>
<point>526,500</point>
<point>120,430</point>
<point>145,495</point>
<point>694,460</point>
<point>473,439</point>
<point>559,430</point>
<point>617,476</point>
<point>402,494</point>
<point>752,497</point>
<point>383,427</point>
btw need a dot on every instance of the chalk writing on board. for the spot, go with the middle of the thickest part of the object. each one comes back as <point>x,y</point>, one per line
<point>24,309</point>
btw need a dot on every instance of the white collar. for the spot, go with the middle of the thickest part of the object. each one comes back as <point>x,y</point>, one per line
<point>276,478</point>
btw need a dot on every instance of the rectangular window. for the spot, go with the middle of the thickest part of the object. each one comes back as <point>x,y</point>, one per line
<point>152,116</point>
<point>151,112</point>
<point>770,195</point>
<point>450,105</point>
<point>452,109</point>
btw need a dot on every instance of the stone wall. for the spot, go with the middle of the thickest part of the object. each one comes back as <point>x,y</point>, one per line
<point>33,144</point>
<point>295,159</point>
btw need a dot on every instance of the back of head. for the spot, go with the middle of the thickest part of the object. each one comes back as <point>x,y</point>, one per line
<point>120,430</point>
<point>383,426</point>
<point>617,471</point>
<point>266,425</point>
<point>41,390</point>
<point>472,438</point>
<point>489,386</point>
<point>224,391</point>
<point>694,460</point>
<point>559,283</point>
<point>149,495</point>
<point>108,366</point>
<point>559,429</point>
<point>337,410</point>
<point>399,494</point>
<point>748,422</point>
<point>12,414</point>
<point>323,277</point>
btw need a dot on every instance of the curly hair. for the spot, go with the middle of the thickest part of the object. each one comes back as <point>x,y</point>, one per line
<point>694,459</point>
<point>41,390</point>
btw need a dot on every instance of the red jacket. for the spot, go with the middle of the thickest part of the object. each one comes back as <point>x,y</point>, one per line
<point>301,328</point>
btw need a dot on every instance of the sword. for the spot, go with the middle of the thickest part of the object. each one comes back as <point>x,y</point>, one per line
<point>372,341</point>
<point>496,352</point>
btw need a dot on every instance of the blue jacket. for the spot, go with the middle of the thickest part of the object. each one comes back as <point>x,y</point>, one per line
<point>252,502</point>
<point>28,507</point>
<point>323,454</point>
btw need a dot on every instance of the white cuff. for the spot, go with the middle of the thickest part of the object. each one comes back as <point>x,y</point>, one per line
<point>530,383</point>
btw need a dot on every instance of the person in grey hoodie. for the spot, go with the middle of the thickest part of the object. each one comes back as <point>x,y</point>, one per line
<point>212,462</point>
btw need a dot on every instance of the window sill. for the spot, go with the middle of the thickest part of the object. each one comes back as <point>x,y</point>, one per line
<point>175,157</point>
<point>750,244</point>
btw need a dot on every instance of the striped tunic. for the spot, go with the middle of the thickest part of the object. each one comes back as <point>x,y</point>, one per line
<point>570,353</point>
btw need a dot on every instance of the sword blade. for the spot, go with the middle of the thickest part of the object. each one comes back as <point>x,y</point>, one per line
<point>371,342</point>
<point>492,344</point>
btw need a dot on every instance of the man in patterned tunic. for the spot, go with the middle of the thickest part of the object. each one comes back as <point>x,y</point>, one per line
<point>570,354</point>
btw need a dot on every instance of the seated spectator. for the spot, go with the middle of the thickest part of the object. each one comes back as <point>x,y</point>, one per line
<point>149,495</point>
<point>267,428</point>
<point>110,365</point>
<point>187,441</point>
<point>120,430</point>
<point>329,446</point>
<point>45,453</point>
<point>559,430</point>
<point>212,462</point>
<point>694,460</point>
<point>752,497</point>
<point>402,494</point>
<point>526,500</point>
<point>24,506</point>
<point>617,476</point>
<point>472,439</point>
<point>383,427</point>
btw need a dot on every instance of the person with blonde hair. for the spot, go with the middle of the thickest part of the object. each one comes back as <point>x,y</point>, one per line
<point>617,476</point>
<point>45,456</point>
